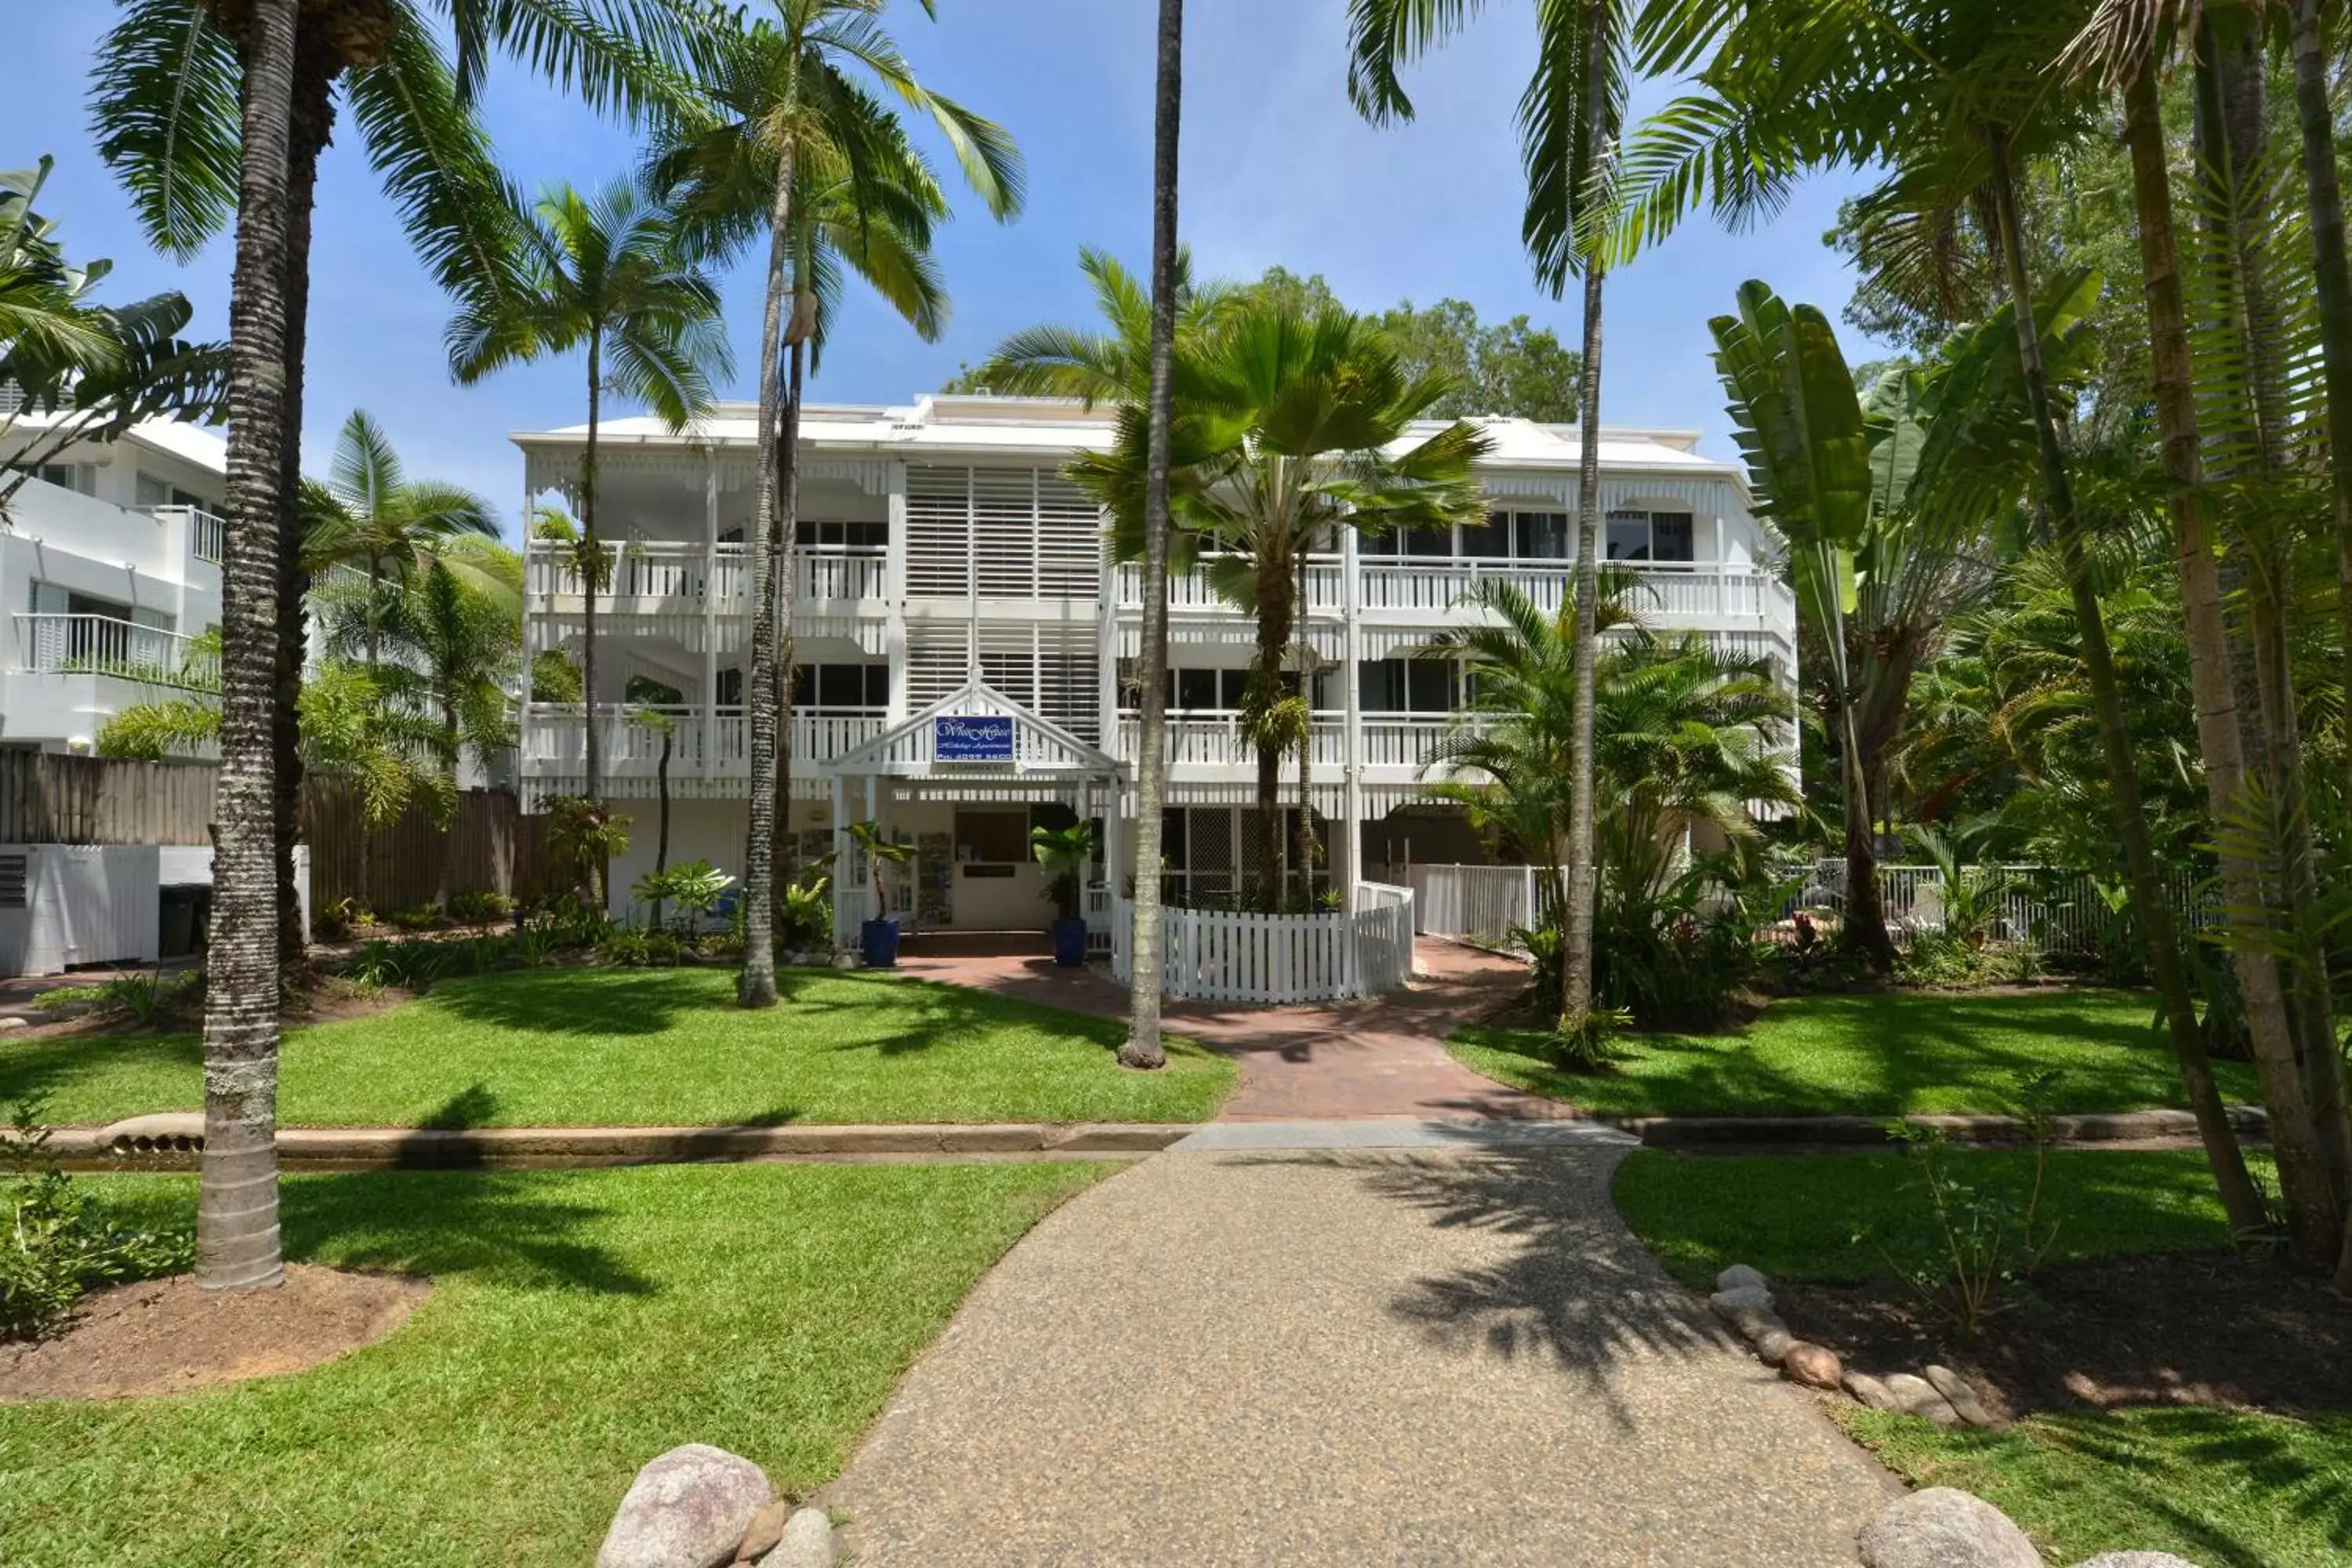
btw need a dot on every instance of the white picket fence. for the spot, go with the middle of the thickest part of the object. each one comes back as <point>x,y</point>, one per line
<point>1213,955</point>
<point>2056,911</point>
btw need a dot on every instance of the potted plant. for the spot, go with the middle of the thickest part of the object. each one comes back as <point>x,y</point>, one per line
<point>1066,853</point>
<point>879,935</point>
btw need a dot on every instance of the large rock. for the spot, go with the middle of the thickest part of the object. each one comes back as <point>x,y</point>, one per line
<point>1870,1391</point>
<point>688,1509</point>
<point>1917,1396</point>
<point>1811,1364</point>
<point>1732,1305</point>
<point>2136,1559</point>
<point>767,1528</point>
<point>1958,1394</point>
<point>1772,1345</point>
<point>1739,1276</point>
<point>807,1542</point>
<point>1942,1528</point>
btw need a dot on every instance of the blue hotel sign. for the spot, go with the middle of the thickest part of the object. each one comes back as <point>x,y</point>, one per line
<point>972,738</point>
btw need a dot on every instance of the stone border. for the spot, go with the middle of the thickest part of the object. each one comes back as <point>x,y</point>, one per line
<point>174,1141</point>
<point>2081,1129</point>
<point>1743,1299</point>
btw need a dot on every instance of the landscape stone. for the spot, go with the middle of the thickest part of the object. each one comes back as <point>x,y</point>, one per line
<point>1869,1391</point>
<point>1773,1345</point>
<point>1917,1396</point>
<point>807,1541</point>
<point>14,1021</point>
<point>1961,1397</point>
<point>766,1529</point>
<point>1753,1323</point>
<point>688,1508</point>
<point>1729,1304</point>
<point>1944,1528</point>
<point>2136,1560</point>
<point>1812,1365</point>
<point>1739,1276</point>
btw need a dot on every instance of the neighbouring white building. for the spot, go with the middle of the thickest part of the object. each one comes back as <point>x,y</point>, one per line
<point>109,567</point>
<point>970,653</point>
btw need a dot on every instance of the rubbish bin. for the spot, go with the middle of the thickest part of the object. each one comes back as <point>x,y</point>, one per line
<point>175,926</point>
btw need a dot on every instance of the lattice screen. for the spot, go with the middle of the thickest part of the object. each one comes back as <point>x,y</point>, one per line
<point>1018,533</point>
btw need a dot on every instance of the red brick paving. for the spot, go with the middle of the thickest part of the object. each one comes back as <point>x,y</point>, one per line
<point>1340,1061</point>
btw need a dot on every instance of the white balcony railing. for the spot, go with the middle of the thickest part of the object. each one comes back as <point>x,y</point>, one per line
<point>1216,741</point>
<point>694,572</point>
<point>207,534</point>
<point>555,741</point>
<point>101,645</point>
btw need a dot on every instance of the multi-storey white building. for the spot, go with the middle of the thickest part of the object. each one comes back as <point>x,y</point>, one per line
<point>948,573</point>
<point>109,567</point>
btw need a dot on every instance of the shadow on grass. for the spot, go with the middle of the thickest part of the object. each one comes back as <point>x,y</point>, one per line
<point>514,1229</point>
<point>1577,1289</point>
<point>585,1002</point>
<point>37,1068</point>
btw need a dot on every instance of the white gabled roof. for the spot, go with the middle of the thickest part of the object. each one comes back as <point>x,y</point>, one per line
<point>909,748</point>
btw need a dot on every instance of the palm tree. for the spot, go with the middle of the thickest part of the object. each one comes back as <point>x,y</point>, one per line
<point>167,109</point>
<point>368,514</point>
<point>866,202</point>
<point>797,90</point>
<point>1571,117</point>
<point>1283,426</point>
<point>456,636</point>
<point>607,272</point>
<point>237,1246</point>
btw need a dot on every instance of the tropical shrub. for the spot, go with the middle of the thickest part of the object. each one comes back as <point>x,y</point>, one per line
<point>804,917</point>
<point>629,949</point>
<point>479,906</point>
<point>59,1245</point>
<point>694,886</point>
<point>423,917</point>
<point>339,918</point>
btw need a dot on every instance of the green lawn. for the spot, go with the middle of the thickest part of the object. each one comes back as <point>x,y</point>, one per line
<point>1826,1216</point>
<point>2228,1488</point>
<point>580,1322</point>
<point>1876,1055</point>
<point>585,1047</point>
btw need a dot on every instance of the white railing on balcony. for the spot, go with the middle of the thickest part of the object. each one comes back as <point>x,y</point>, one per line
<point>207,534</point>
<point>671,570</point>
<point>556,738</point>
<point>1192,591</point>
<point>101,645</point>
<point>1669,591</point>
<point>1217,741</point>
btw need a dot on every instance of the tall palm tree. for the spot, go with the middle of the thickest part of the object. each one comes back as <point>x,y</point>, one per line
<point>237,1246</point>
<point>607,272</point>
<point>370,515</point>
<point>1142,1047</point>
<point>1282,429</point>
<point>799,92</point>
<point>165,107</point>
<point>866,202</point>
<point>1570,116</point>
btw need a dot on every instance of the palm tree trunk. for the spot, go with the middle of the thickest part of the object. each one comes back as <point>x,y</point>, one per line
<point>786,587</point>
<point>311,121</point>
<point>592,580</point>
<point>756,986</point>
<point>2315,117</point>
<point>2240,1199</point>
<point>1142,1047</point>
<point>1862,927</point>
<point>1302,604</point>
<point>2209,669</point>
<point>446,883</point>
<point>237,1245</point>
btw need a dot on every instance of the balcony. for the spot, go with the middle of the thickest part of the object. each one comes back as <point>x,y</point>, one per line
<point>101,645</point>
<point>1203,746</point>
<point>657,578</point>
<point>554,744</point>
<point>207,534</point>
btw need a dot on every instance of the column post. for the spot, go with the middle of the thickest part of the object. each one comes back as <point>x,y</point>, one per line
<point>522,708</point>
<point>710,613</point>
<point>893,591</point>
<point>1351,654</point>
<point>841,868</point>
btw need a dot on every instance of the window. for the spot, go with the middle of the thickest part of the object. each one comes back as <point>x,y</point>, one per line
<point>1195,688</point>
<point>862,538</point>
<point>79,477</point>
<point>842,687</point>
<point>1540,535</point>
<point>1408,686</point>
<point>1491,539</point>
<point>153,491</point>
<point>730,689</point>
<point>1429,542</point>
<point>1650,536</point>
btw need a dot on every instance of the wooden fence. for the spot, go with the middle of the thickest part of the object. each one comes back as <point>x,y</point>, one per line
<point>46,798</point>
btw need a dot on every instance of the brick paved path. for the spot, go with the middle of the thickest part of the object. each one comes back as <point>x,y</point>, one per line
<point>1352,1060</point>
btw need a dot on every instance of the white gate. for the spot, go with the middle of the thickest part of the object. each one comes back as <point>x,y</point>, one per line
<point>1213,955</point>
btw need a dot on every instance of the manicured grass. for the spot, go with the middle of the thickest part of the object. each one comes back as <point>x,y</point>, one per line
<point>1874,1054</point>
<point>580,1322</point>
<point>2226,1489</point>
<point>1833,1217</point>
<point>587,1047</point>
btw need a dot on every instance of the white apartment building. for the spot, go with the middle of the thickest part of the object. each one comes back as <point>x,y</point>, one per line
<point>110,568</point>
<point>968,652</point>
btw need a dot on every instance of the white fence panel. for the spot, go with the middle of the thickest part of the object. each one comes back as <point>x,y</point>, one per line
<point>1215,955</point>
<point>1477,904</point>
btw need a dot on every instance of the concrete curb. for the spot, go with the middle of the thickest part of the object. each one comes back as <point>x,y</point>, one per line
<point>174,1141</point>
<point>2087,1130</point>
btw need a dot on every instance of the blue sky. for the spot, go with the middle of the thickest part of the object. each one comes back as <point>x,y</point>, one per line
<point>1277,169</point>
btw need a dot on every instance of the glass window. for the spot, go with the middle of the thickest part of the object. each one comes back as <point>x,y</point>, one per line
<point>877,686</point>
<point>731,687</point>
<point>1196,689</point>
<point>1431,541</point>
<point>1671,536</point>
<point>874,536</point>
<point>1491,538</point>
<point>82,478</point>
<point>1429,687</point>
<point>1232,687</point>
<point>1628,536</point>
<point>1385,544</point>
<point>1540,535</point>
<point>841,685</point>
<point>992,838</point>
<point>153,491</point>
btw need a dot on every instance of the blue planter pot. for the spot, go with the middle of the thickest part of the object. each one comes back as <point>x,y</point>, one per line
<point>880,941</point>
<point>1070,943</point>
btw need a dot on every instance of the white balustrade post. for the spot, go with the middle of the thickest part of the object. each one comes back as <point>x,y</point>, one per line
<point>1351,777</point>
<point>842,890</point>
<point>710,614</point>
